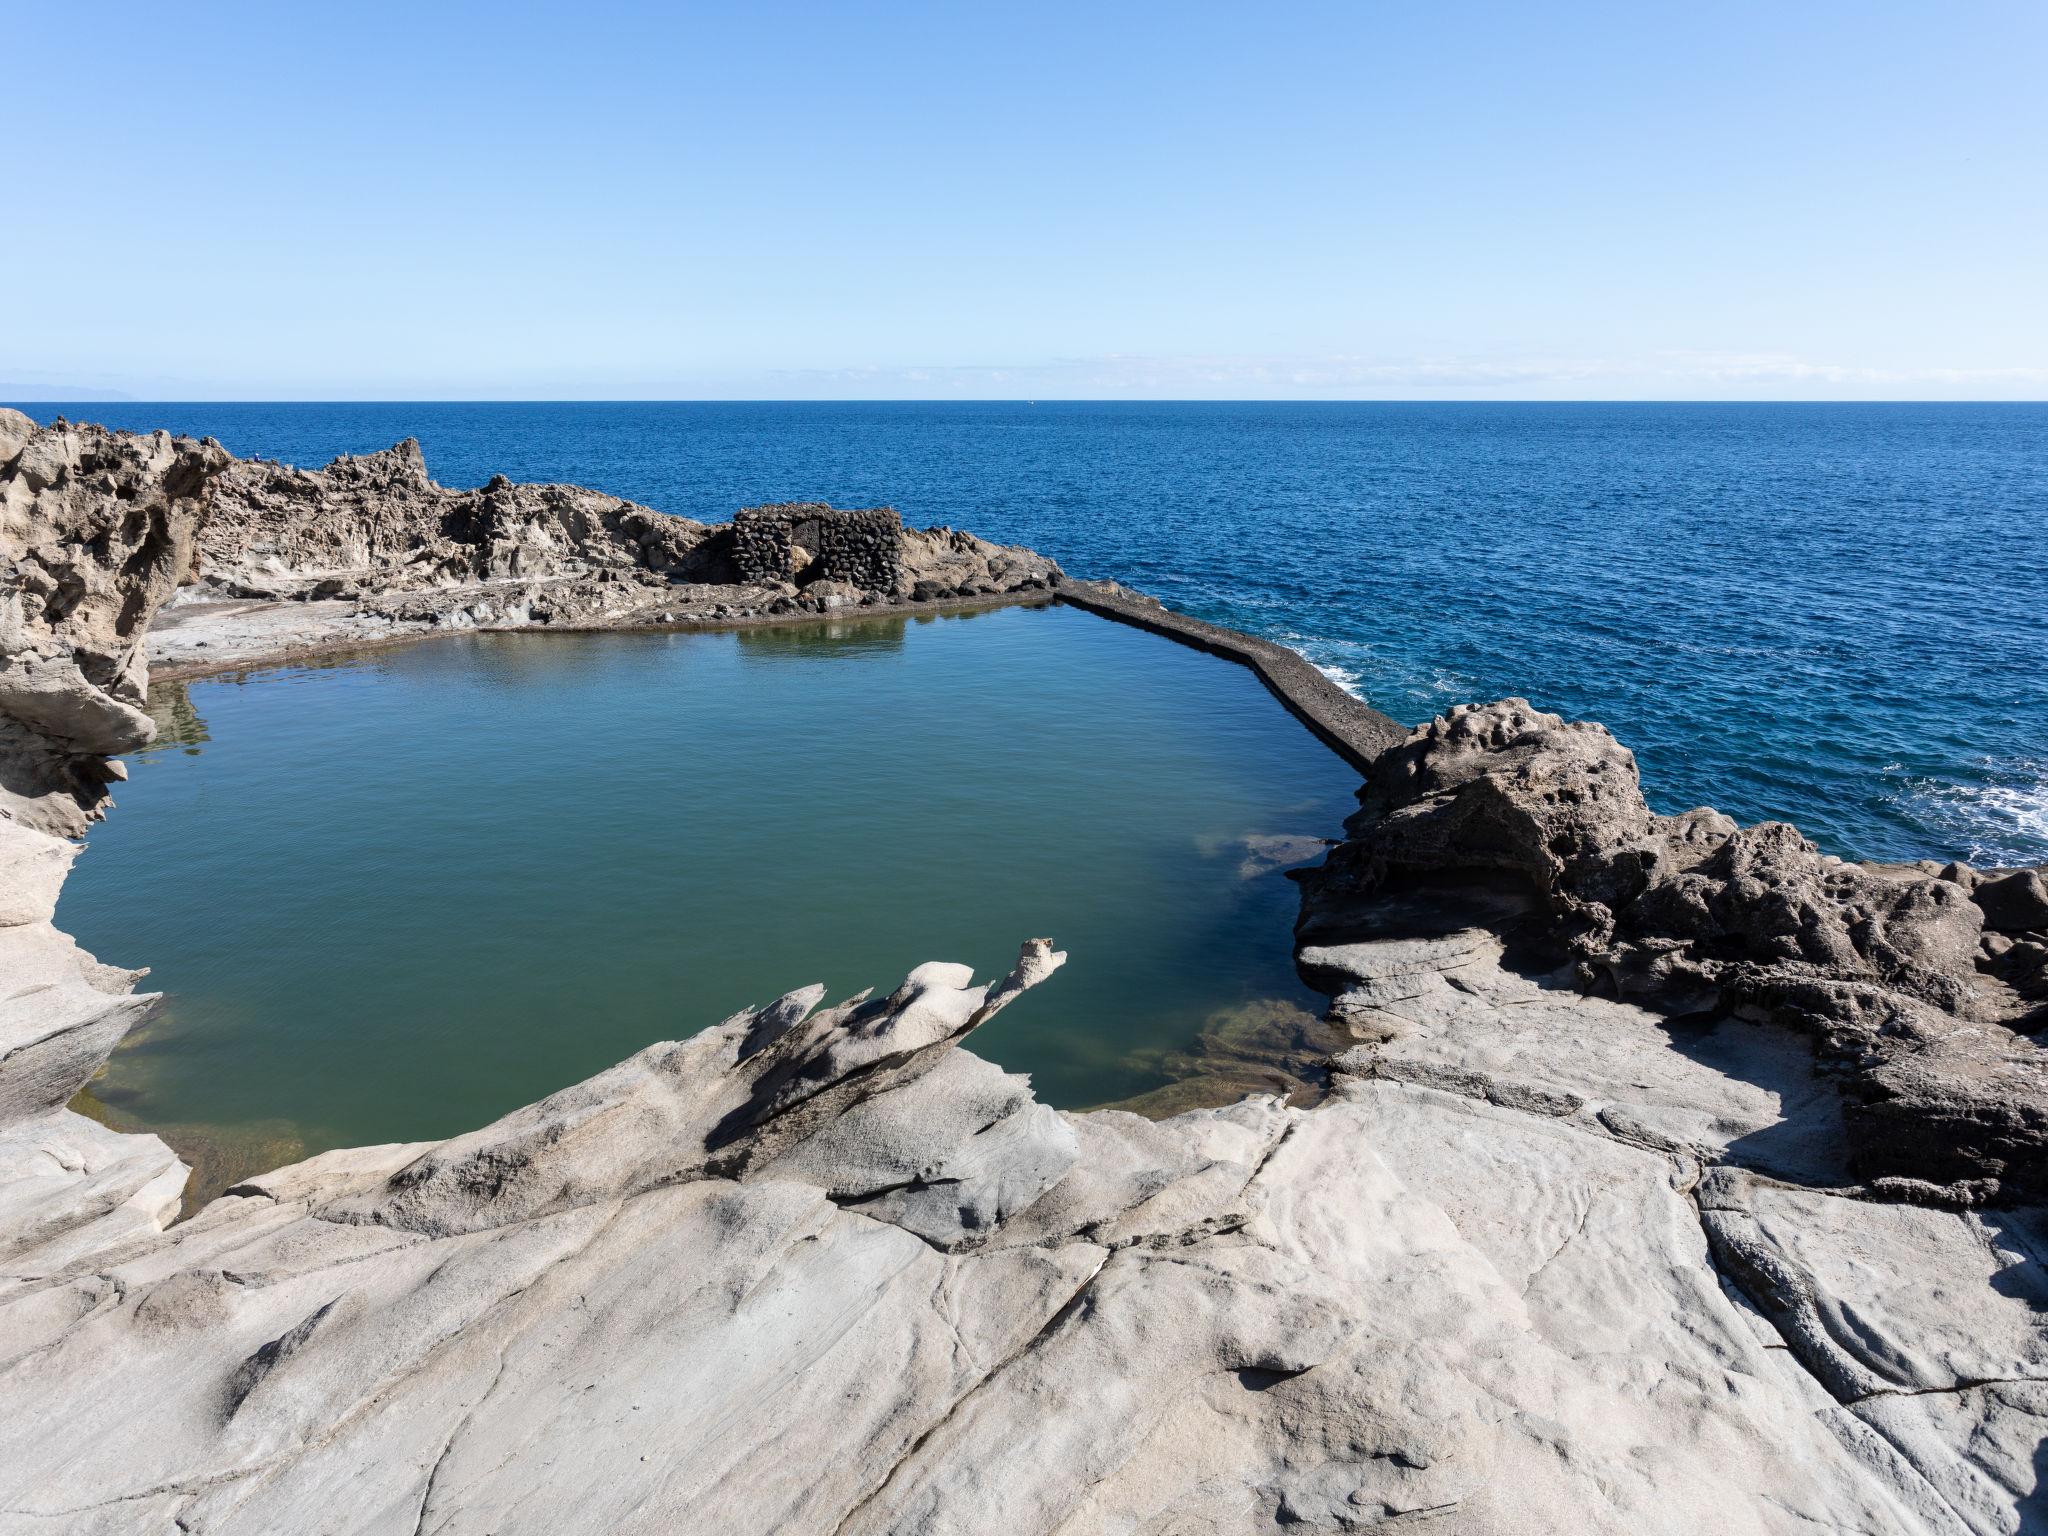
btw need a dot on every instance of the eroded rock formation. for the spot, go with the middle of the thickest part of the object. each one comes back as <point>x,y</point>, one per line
<point>372,546</point>
<point>1917,986</point>
<point>379,522</point>
<point>1832,1066</point>
<point>96,529</point>
<point>823,1270</point>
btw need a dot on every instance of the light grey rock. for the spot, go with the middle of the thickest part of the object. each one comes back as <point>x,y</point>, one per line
<point>1888,1298</point>
<point>96,530</point>
<point>72,1193</point>
<point>678,1295</point>
<point>17,430</point>
<point>1979,1449</point>
<point>1444,1012</point>
<point>1931,1325</point>
<point>32,870</point>
<point>1500,842</point>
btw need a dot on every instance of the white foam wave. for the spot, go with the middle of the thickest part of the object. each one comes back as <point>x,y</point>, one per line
<point>1322,654</point>
<point>2000,820</point>
<point>1350,679</point>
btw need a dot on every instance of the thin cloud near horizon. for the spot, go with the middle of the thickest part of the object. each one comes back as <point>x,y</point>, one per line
<point>1347,372</point>
<point>1706,377</point>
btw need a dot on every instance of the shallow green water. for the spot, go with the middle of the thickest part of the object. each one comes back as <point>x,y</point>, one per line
<point>392,897</point>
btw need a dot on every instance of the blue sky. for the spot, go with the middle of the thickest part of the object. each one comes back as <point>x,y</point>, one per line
<point>1438,201</point>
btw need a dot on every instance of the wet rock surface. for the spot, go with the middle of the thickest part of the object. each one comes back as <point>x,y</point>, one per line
<point>1586,1232</point>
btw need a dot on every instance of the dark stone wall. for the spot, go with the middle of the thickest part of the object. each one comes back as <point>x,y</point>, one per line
<point>863,547</point>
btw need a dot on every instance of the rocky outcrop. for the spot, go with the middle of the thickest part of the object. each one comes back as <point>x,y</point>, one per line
<point>1521,1099</point>
<point>96,529</point>
<point>378,524</point>
<point>371,548</point>
<point>1885,969</point>
<point>1832,1056</point>
<point>941,563</point>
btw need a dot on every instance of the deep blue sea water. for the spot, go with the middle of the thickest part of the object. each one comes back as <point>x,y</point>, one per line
<point>1833,614</point>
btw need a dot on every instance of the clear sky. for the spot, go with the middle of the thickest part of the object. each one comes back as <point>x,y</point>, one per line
<point>1800,199</point>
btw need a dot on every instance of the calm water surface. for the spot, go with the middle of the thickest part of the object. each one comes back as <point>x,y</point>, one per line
<point>1833,614</point>
<point>393,897</point>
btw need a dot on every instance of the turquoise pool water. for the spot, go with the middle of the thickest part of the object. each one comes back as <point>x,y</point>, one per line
<point>394,896</point>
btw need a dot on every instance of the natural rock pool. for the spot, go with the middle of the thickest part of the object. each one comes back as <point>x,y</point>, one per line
<point>392,896</point>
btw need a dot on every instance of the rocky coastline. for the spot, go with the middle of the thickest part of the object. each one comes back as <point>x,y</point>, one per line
<point>293,563</point>
<point>1671,1175</point>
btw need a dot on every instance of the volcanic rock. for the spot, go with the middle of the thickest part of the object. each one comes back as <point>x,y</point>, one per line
<point>1880,967</point>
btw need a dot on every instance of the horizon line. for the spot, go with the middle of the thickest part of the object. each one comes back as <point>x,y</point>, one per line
<point>13,402</point>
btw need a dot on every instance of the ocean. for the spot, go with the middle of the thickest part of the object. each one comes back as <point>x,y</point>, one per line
<point>1835,615</point>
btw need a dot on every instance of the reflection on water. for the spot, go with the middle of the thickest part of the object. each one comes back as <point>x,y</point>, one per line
<point>848,639</point>
<point>177,722</point>
<point>399,894</point>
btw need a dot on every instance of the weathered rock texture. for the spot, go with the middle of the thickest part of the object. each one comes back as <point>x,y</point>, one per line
<point>1539,1262</point>
<point>378,523</point>
<point>822,1270</point>
<point>1903,979</point>
<point>372,548</point>
<point>96,529</point>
